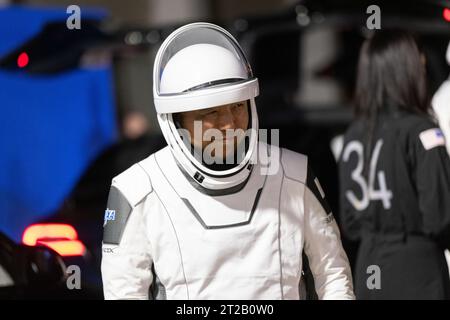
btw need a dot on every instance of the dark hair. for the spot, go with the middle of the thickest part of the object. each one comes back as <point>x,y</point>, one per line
<point>391,74</point>
<point>390,77</point>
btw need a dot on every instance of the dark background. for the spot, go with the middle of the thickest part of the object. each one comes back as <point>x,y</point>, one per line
<point>303,52</point>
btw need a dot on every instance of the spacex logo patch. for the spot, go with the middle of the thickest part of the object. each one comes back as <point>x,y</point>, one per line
<point>432,138</point>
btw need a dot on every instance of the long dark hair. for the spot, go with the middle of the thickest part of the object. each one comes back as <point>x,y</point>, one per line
<point>391,76</point>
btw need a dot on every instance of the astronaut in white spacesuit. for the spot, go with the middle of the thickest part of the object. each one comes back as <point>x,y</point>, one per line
<point>178,226</point>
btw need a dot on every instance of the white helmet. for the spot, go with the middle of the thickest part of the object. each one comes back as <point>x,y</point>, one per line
<point>199,66</point>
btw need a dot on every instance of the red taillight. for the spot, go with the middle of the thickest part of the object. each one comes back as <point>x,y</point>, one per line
<point>66,247</point>
<point>22,60</point>
<point>62,238</point>
<point>446,14</point>
<point>37,232</point>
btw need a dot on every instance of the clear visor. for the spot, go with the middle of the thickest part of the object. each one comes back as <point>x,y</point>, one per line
<point>199,56</point>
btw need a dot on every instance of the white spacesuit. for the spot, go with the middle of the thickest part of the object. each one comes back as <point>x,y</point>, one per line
<point>189,231</point>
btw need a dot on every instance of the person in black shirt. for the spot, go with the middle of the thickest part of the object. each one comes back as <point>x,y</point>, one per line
<point>395,176</point>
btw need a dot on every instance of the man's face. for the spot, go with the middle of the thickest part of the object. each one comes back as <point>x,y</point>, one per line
<point>226,118</point>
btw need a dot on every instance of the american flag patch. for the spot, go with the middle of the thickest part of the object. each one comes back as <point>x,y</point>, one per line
<point>432,138</point>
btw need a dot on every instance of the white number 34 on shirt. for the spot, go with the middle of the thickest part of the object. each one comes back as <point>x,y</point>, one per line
<point>368,191</point>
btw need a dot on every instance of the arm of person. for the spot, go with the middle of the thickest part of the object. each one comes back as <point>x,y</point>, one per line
<point>433,183</point>
<point>441,106</point>
<point>327,258</point>
<point>126,258</point>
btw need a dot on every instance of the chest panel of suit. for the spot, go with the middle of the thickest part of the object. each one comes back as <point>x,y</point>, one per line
<point>242,245</point>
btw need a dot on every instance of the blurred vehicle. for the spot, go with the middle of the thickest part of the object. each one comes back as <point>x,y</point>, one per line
<point>32,272</point>
<point>57,109</point>
<point>66,119</point>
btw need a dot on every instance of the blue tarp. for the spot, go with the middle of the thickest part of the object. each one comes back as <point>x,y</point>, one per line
<point>51,128</point>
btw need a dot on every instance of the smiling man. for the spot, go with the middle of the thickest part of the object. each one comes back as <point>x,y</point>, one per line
<point>215,133</point>
<point>217,214</point>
